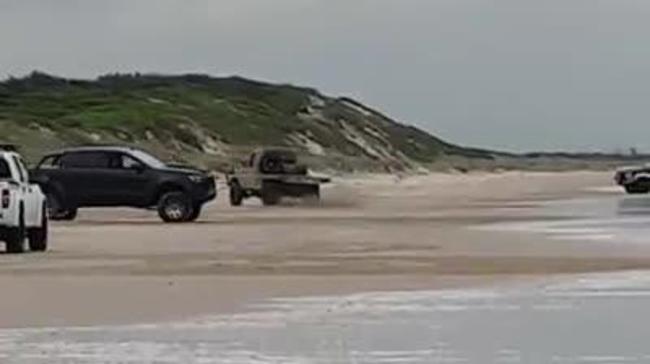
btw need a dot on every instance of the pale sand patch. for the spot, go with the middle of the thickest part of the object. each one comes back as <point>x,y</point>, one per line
<point>370,233</point>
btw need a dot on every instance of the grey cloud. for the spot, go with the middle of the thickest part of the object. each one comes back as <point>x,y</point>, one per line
<point>513,74</point>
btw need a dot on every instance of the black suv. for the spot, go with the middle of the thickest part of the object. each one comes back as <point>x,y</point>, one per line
<point>121,176</point>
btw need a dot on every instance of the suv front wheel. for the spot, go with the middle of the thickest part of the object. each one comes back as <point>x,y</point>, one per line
<point>175,207</point>
<point>196,212</point>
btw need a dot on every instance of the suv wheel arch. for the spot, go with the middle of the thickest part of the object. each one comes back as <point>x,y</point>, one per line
<point>165,188</point>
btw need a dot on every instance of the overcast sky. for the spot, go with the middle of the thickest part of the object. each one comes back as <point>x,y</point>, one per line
<point>510,74</point>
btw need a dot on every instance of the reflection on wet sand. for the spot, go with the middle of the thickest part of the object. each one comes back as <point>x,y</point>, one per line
<point>587,319</point>
<point>639,205</point>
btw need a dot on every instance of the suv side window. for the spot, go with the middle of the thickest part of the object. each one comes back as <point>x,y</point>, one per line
<point>85,160</point>
<point>129,162</point>
<point>50,162</point>
<point>124,161</point>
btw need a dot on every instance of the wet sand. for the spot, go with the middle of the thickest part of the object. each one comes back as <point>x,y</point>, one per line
<point>371,233</point>
<point>591,318</point>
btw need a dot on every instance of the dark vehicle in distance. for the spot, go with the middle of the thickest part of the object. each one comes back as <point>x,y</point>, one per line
<point>272,174</point>
<point>635,180</point>
<point>121,176</point>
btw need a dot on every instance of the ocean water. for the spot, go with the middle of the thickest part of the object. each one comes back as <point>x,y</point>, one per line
<point>616,219</point>
<point>598,318</point>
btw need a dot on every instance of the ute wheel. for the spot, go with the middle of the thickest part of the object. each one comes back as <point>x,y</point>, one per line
<point>236,194</point>
<point>196,212</point>
<point>16,236</point>
<point>636,189</point>
<point>55,210</point>
<point>270,195</point>
<point>314,194</point>
<point>175,207</point>
<point>38,236</point>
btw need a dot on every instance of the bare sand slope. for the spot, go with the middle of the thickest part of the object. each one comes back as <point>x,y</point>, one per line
<point>370,233</point>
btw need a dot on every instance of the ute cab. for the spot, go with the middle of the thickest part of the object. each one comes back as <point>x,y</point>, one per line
<point>23,209</point>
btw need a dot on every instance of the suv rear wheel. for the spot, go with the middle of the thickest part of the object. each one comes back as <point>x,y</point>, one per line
<point>67,215</point>
<point>55,210</point>
<point>175,207</point>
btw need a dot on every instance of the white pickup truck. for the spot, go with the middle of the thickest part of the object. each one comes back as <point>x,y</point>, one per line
<point>23,209</point>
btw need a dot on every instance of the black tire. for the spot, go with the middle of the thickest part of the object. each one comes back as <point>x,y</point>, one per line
<point>270,195</point>
<point>38,236</point>
<point>636,189</point>
<point>196,212</point>
<point>55,210</point>
<point>175,207</point>
<point>313,194</point>
<point>16,236</point>
<point>68,215</point>
<point>236,194</point>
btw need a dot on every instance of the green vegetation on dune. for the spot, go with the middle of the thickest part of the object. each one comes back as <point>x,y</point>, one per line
<point>208,120</point>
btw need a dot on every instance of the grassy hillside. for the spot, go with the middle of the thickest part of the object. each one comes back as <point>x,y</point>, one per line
<point>210,121</point>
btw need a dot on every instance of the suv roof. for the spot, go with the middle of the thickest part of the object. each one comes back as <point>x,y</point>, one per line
<point>274,149</point>
<point>107,148</point>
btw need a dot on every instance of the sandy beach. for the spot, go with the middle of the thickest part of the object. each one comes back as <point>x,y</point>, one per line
<point>370,233</point>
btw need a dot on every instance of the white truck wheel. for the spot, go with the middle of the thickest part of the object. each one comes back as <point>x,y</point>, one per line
<point>38,236</point>
<point>16,236</point>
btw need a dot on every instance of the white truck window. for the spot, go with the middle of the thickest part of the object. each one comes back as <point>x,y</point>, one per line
<point>22,174</point>
<point>5,171</point>
<point>21,165</point>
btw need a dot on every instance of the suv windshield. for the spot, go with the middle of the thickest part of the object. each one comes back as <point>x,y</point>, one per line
<point>148,159</point>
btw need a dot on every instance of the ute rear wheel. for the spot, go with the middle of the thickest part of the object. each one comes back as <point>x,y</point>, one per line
<point>38,236</point>
<point>236,194</point>
<point>16,236</point>
<point>270,194</point>
<point>313,194</point>
<point>175,207</point>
